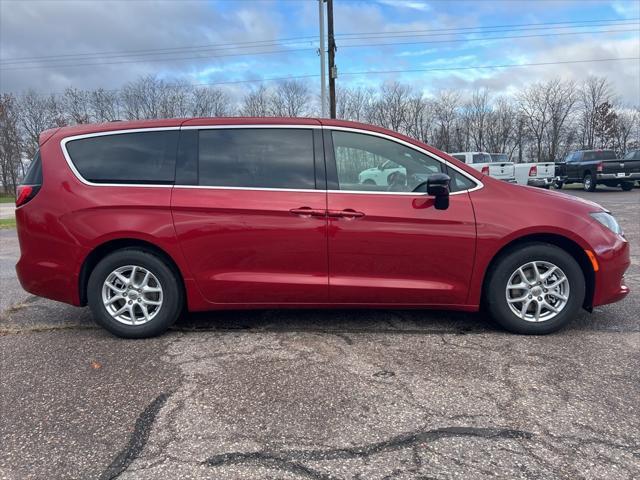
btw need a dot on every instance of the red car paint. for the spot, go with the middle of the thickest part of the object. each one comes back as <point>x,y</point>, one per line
<point>266,248</point>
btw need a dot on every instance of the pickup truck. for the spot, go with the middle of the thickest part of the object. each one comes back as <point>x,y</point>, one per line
<point>597,167</point>
<point>534,174</point>
<point>500,168</point>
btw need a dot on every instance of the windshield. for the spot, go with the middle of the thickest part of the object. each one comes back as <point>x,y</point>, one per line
<point>499,157</point>
<point>599,155</point>
<point>481,158</point>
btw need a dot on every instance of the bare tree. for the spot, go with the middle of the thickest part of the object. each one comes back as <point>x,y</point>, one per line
<point>561,98</point>
<point>104,105</point>
<point>477,110</point>
<point>291,99</point>
<point>256,103</point>
<point>594,92</point>
<point>11,168</point>
<point>76,105</point>
<point>37,114</point>
<point>390,109</point>
<point>500,126</point>
<point>446,107</point>
<point>210,102</point>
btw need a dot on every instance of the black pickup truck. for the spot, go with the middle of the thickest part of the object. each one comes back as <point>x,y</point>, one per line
<point>598,167</point>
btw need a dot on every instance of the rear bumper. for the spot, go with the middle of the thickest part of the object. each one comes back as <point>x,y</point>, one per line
<point>540,182</point>
<point>614,176</point>
<point>610,283</point>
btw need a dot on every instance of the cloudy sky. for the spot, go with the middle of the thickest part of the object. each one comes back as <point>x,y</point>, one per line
<point>49,45</point>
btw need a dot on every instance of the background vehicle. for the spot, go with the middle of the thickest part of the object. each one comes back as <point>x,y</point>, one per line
<point>141,219</point>
<point>632,155</point>
<point>534,174</point>
<point>597,167</point>
<point>388,173</point>
<point>500,168</point>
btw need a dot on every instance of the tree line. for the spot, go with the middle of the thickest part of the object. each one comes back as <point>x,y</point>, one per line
<point>541,122</point>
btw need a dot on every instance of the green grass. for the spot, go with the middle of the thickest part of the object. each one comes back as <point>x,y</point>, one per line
<point>7,198</point>
<point>8,223</point>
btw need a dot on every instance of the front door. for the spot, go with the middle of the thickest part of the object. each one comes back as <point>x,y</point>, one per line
<point>253,226</point>
<point>388,245</point>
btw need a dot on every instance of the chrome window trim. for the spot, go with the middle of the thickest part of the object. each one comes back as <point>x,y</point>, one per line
<point>251,125</point>
<point>64,141</point>
<point>477,182</point>
<point>266,189</point>
<point>78,175</point>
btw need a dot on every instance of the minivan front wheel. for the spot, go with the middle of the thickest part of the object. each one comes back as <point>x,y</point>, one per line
<point>536,289</point>
<point>134,294</point>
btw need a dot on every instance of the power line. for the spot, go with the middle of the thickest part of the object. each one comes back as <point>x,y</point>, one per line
<point>294,50</point>
<point>385,72</point>
<point>308,39</point>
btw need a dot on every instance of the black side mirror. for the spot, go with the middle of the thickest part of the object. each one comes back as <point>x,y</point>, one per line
<point>438,187</point>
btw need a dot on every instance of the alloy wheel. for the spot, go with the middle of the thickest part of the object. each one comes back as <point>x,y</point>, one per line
<point>132,295</point>
<point>537,291</point>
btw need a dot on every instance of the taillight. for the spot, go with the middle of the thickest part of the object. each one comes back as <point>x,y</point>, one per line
<point>26,193</point>
<point>533,171</point>
<point>485,170</point>
<point>600,167</point>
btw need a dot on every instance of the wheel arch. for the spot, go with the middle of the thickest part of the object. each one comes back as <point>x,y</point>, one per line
<point>568,245</point>
<point>102,250</point>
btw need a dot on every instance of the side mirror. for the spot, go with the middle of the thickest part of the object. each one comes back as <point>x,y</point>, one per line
<point>438,187</point>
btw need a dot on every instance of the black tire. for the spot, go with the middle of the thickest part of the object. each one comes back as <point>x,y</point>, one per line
<point>589,183</point>
<point>626,186</point>
<point>508,262</point>
<point>369,181</point>
<point>558,184</point>
<point>172,292</point>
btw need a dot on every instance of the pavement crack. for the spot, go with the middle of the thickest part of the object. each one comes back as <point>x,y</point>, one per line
<point>138,439</point>
<point>292,460</point>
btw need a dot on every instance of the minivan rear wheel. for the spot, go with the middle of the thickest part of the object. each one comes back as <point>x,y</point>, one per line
<point>134,294</point>
<point>537,288</point>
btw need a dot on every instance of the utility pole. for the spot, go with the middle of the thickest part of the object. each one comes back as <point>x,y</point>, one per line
<point>333,70</point>
<point>323,68</point>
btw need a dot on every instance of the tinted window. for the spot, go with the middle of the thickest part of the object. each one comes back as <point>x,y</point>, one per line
<point>499,157</point>
<point>462,158</point>
<point>481,158</point>
<point>359,158</point>
<point>257,157</point>
<point>34,173</point>
<point>599,155</point>
<point>141,157</point>
<point>458,181</point>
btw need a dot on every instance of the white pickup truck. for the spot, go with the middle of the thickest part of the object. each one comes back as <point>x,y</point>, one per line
<point>534,174</point>
<point>502,168</point>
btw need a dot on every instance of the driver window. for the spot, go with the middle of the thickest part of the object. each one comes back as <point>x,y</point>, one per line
<point>369,163</point>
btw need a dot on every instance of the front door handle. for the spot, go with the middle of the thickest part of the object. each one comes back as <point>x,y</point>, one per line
<point>346,213</point>
<point>307,212</point>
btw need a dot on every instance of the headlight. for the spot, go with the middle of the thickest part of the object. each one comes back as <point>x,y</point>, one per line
<point>609,221</point>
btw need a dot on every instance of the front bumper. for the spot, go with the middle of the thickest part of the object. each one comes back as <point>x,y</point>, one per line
<point>614,176</point>
<point>540,182</point>
<point>610,282</point>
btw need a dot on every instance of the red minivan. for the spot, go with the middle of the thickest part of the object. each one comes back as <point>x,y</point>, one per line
<point>143,220</point>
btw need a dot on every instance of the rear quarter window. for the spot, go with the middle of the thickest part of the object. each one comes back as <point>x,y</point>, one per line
<point>139,157</point>
<point>34,172</point>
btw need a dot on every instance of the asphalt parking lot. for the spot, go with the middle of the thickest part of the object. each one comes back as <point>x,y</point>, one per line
<point>321,394</point>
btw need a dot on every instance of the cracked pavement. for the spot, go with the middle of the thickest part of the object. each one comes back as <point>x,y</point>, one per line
<point>320,394</point>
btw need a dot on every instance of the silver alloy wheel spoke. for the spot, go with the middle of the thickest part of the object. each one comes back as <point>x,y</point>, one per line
<point>132,295</point>
<point>537,291</point>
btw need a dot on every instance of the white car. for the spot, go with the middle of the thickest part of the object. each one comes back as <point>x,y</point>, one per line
<point>385,173</point>
<point>502,168</point>
<point>381,175</point>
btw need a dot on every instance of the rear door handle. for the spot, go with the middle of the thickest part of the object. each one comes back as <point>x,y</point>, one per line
<point>346,213</point>
<point>308,212</point>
